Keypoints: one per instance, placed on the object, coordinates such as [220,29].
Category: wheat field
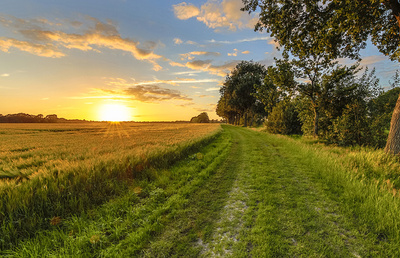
[28,150]
[49,171]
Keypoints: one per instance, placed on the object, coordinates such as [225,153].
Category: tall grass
[82,179]
[364,180]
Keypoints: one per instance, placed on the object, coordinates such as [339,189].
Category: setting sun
[115,113]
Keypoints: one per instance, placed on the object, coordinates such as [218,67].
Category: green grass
[243,194]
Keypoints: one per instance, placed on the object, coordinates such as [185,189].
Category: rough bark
[394,5]
[393,141]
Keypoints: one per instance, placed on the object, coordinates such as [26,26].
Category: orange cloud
[369,60]
[216,14]
[184,11]
[172,63]
[190,55]
[177,41]
[142,93]
[206,66]
[119,82]
[46,50]
[235,51]
[153,93]
[98,35]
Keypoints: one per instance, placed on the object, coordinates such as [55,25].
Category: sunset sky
[161,60]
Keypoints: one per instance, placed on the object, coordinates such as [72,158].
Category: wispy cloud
[206,66]
[173,63]
[46,41]
[177,41]
[5,75]
[366,61]
[152,93]
[45,50]
[217,14]
[213,89]
[189,73]
[141,93]
[207,108]
[270,40]
[369,60]
[190,55]
[177,81]
[206,96]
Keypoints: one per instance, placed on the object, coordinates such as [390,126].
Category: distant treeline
[26,118]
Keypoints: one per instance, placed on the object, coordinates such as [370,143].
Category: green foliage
[345,115]
[319,32]
[202,118]
[382,107]
[352,127]
[306,116]
[284,119]
[340,27]
[279,84]
[237,93]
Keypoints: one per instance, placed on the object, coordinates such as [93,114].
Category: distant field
[27,150]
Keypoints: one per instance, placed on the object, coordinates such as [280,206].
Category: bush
[352,128]
[284,119]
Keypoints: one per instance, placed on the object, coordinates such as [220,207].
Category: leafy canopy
[341,27]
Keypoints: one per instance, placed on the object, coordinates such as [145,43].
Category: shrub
[352,128]
[284,119]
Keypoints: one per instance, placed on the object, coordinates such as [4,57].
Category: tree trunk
[316,118]
[245,119]
[393,141]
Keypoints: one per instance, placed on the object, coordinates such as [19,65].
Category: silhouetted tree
[202,118]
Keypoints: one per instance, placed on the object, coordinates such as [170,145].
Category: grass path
[274,205]
[246,194]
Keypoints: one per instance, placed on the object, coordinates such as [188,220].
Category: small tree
[352,128]
[284,119]
[202,118]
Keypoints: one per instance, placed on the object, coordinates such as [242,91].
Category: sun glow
[115,113]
